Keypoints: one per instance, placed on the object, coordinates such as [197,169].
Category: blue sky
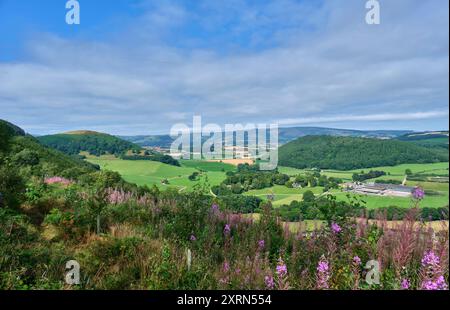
[140,66]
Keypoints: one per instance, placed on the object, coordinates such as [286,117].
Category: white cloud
[305,64]
[367,118]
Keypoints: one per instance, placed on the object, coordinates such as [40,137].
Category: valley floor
[155,173]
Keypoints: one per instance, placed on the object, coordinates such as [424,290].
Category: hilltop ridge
[95,143]
[83,132]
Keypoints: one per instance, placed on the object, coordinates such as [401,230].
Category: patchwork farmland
[213,173]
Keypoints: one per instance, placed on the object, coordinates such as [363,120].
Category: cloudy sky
[140,66]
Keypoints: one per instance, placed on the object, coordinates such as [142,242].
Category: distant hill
[163,141]
[346,153]
[291,133]
[82,132]
[424,135]
[430,139]
[95,143]
[286,134]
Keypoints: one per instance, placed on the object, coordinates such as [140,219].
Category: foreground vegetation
[153,240]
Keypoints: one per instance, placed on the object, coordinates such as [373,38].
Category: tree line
[348,153]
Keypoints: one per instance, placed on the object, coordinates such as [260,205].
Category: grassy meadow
[394,172]
[145,172]
[287,195]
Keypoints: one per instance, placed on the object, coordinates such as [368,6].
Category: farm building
[379,189]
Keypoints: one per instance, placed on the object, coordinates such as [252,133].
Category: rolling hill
[430,139]
[286,134]
[163,141]
[95,143]
[346,153]
[27,154]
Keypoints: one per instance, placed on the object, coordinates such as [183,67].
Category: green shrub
[12,187]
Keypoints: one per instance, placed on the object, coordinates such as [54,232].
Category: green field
[284,196]
[395,172]
[152,173]
[144,172]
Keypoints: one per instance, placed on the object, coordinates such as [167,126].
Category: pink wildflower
[281,268]
[418,193]
[226,266]
[56,180]
[261,244]
[227,229]
[323,273]
[270,283]
[336,228]
[405,284]
[432,273]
